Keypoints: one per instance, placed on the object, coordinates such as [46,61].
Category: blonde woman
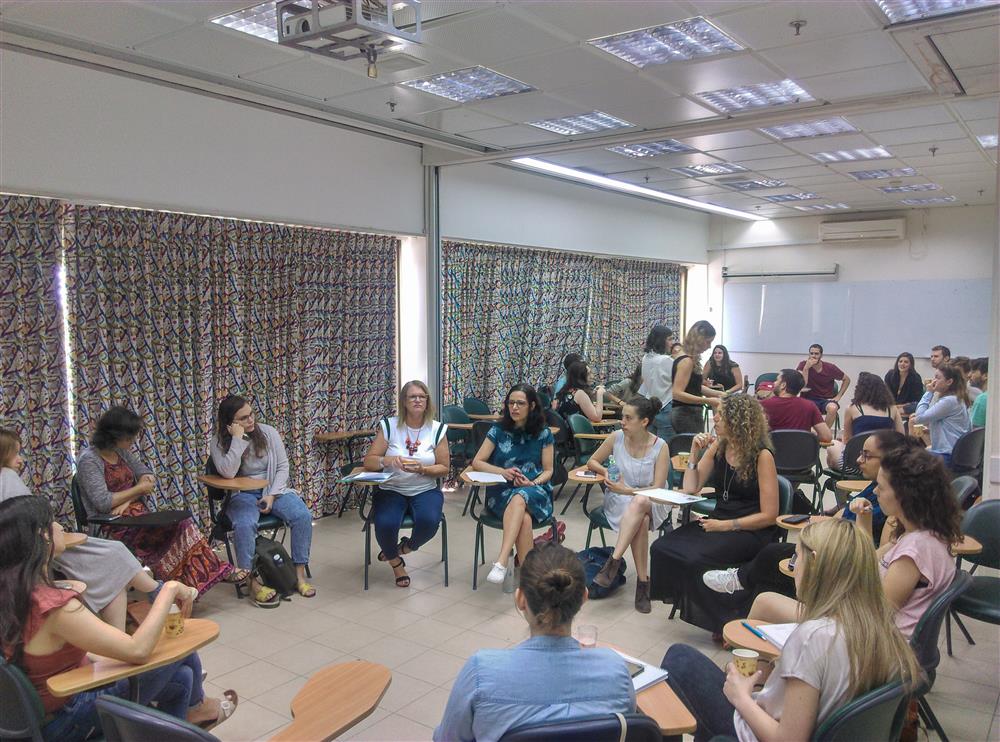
[414,448]
[739,464]
[845,645]
[690,393]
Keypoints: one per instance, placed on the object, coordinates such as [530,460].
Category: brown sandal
[227,707]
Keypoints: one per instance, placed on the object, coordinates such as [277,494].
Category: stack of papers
[650,675]
[485,477]
[778,633]
[368,476]
[672,497]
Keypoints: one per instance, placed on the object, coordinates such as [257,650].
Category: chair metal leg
[947,630]
[475,555]
[673,611]
[930,719]
[603,542]
[961,626]
[468,500]
[570,500]
[444,547]
[590,532]
[368,549]
[229,556]
[309,573]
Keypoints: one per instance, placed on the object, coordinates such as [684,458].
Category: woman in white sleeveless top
[642,461]
[413,447]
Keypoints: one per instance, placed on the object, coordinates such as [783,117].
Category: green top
[978,413]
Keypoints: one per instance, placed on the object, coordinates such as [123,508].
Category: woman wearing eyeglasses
[520,448]
[413,447]
[243,447]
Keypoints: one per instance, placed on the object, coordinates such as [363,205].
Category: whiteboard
[860,318]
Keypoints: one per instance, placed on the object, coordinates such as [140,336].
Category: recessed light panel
[804,129]
[751,184]
[849,155]
[928,201]
[650,149]
[582,123]
[910,188]
[822,207]
[896,172]
[899,11]
[757,95]
[469,84]
[712,168]
[785,197]
[260,21]
[987,141]
[694,38]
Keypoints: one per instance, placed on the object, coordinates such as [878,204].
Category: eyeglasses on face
[517,403]
[868,456]
[244,418]
[417,397]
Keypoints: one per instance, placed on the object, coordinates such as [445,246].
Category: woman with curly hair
[872,408]
[738,462]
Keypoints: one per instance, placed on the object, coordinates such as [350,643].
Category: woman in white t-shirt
[657,379]
[413,447]
[845,645]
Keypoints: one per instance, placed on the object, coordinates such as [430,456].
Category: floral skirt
[537,497]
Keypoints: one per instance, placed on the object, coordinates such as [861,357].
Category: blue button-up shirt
[543,679]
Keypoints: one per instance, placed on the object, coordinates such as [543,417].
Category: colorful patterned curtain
[510,314]
[32,363]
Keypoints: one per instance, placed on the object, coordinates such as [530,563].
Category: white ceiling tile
[458,120]
[976,80]
[920,134]
[983,126]
[848,167]
[831,143]
[312,76]
[945,147]
[567,67]
[713,73]
[973,47]
[984,108]
[695,188]
[637,100]
[777,163]
[196,10]
[726,140]
[535,106]
[374,102]
[490,38]
[757,152]
[586,19]
[980,168]
[717,7]
[218,50]
[903,117]
[839,54]
[115,24]
[596,159]
[685,159]
[892,78]
[922,163]
[767,26]
[642,177]
[513,136]
[794,173]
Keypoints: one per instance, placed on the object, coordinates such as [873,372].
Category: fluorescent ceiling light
[849,155]
[260,21]
[620,185]
[582,123]
[987,141]
[469,84]
[712,168]
[822,207]
[757,95]
[783,197]
[751,184]
[803,129]
[899,11]
[693,38]
[910,188]
[928,201]
[896,172]
[651,149]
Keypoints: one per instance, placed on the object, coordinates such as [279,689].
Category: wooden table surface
[236,484]
[966,547]
[592,436]
[492,418]
[334,699]
[735,635]
[799,526]
[574,476]
[783,567]
[197,633]
[676,463]
[606,423]
[336,436]
[74,539]
[660,703]
[468,426]
[852,485]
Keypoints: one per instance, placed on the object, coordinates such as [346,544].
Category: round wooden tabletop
[735,634]
[853,485]
[783,567]
[966,547]
[799,526]
[580,476]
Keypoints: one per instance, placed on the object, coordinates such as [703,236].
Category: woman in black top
[905,384]
[739,464]
[578,395]
[689,392]
[721,372]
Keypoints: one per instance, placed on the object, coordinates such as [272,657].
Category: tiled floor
[425,633]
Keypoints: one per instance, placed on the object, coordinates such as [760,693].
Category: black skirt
[678,560]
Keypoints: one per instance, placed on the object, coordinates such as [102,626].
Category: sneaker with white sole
[497,574]
[723,580]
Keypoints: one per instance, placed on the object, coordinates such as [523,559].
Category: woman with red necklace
[413,447]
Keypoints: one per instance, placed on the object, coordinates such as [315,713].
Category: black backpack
[593,560]
[274,566]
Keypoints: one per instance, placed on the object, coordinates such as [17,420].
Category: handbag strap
[624,727]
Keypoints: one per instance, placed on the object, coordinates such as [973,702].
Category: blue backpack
[593,560]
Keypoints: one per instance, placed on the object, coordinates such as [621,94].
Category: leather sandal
[266,597]
[401,580]
[227,707]
[306,590]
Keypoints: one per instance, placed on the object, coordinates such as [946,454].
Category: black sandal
[405,543]
[402,580]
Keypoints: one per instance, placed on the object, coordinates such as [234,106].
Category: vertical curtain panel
[510,314]
[33,398]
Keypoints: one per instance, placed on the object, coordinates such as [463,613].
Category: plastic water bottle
[613,473]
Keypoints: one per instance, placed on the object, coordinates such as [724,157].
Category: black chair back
[21,710]
[554,420]
[965,489]
[924,639]
[476,406]
[795,451]
[479,430]
[78,509]
[786,496]
[452,413]
[967,455]
[124,721]
[680,443]
[982,522]
[638,728]
[878,714]
[851,453]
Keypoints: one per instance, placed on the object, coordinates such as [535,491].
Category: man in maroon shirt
[786,410]
[819,379]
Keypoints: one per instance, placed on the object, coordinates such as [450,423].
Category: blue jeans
[389,509]
[698,682]
[662,423]
[174,688]
[288,506]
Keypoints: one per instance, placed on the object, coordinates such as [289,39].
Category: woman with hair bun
[642,460]
[545,678]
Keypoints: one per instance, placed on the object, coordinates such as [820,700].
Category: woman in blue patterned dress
[520,448]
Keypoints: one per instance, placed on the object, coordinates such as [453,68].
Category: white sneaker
[723,580]
[497,574]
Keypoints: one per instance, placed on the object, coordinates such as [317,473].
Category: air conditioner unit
[873,229]
[827,272]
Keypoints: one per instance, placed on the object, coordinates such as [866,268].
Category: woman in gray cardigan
[243,447]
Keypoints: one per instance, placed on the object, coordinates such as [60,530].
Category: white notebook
[778,633]
[672,497]
[647,676]
[368,476]
[485,477]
